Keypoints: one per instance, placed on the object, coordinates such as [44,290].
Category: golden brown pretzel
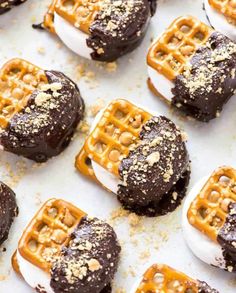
[208,211]
[162,278]
[226,7]
[117,130]
[48,231]
[171,52]
[18,79]
[79,13]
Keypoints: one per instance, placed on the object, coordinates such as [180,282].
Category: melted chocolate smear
[6,5]
[119,30]
[209,97]
[39,132]
[155,188]
[203,287]
[8,210]
[227,239]
[92,240]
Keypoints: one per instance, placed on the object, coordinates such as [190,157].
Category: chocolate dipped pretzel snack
[63,250]
[212,217]
[39,110]
[101,30]
[162,278]
[134,154]
[6,5]
[186,65]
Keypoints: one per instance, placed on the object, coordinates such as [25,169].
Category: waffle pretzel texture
[226,7]
[162,278]
[170,54]
[18,80]
[79,13]
[48,232]
[117,130]
[209,210]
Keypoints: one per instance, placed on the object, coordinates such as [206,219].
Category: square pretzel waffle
[116,131]
[48,232]
[161,278]
[170,54]
[18,79]
[209,210]
[79,13]
[226,7]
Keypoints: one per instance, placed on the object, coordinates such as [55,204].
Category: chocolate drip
[6,5]
[44,129]
[156,173]
[119,29]
[8,210]
[203,287]
[203,89]
[227,239]
[90,261]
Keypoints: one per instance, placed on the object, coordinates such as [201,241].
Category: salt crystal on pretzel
[182,67]
[59,227]
[162,278]
[97,29]
[117,133]
[208,215]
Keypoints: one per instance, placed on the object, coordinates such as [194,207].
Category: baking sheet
[144,241]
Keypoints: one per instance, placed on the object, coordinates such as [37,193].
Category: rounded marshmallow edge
[72,37]
[161,83]
[201,246]
[33,275]
[219,21]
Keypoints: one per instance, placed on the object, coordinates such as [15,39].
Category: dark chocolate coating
[156,189]
[203,287]
[42,140]
[227,239]
[92,240]
[8,210]
[126,36]
[6,5]
[207,101]
[153,6]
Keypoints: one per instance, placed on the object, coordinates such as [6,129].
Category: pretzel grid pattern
[171,52]
[208,211]
[18,79]
[79,13]
[226,7]
[105,140]
[161,278]
[49,231]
